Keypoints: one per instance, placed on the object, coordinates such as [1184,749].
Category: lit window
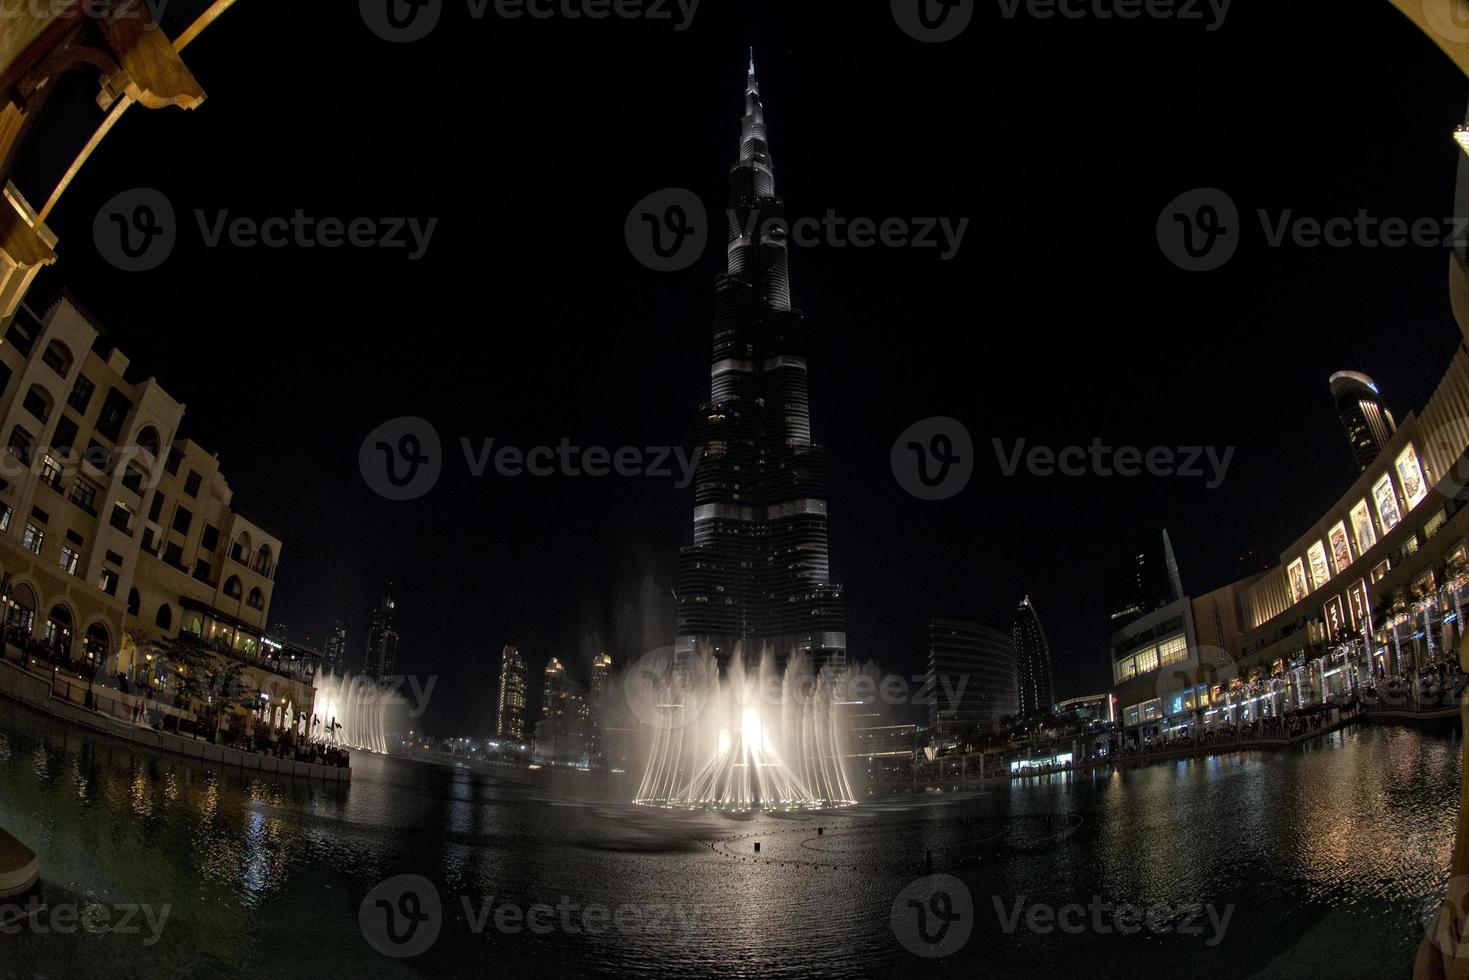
[50,471]
[32,539]
[69,559]
[1147,660]
[1173,651]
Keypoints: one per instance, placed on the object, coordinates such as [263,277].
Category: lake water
[1320,861]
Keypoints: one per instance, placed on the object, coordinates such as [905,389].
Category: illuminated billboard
[1320,574]
[1298,587]
[1387,503]
[1363,528]
[1410,474]
[1341,549]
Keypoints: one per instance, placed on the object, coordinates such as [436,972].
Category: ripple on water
[1328,855]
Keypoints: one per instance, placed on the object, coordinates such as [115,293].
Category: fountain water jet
[352,712]
[746,739]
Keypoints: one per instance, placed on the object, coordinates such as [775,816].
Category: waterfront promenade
[65,700]
[988,769]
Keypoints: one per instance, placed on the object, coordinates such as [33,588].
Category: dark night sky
[1059,321]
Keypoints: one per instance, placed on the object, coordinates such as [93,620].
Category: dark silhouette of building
[1147,580]
[971,679]
[334,651]
[382,639]
[757,574]
[1366,421]
[1033,675]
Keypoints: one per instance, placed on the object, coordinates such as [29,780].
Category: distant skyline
[528,321]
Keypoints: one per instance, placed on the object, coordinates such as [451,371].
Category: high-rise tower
[1033,675]
[510,719]
[757,575]
[1366,421]
[382,639]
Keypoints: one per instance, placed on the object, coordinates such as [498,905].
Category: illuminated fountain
[751,739]
[351,712]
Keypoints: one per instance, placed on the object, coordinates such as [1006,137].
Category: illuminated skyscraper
[510,719]
[597,706]
[382,639]
[757,574]
[1033,676]
[1366,421]
[561,734]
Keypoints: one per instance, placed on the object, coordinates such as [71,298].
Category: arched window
[164,619]
[57,634]
[148,440]
[57,357]
[257,599]
[21,618]
[263,558]
[98,643]
[242,549]
[233,588]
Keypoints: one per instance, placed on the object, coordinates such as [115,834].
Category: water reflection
[1330,855]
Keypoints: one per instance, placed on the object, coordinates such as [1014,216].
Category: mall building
[1372,590]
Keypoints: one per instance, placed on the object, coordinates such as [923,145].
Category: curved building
[1368,424]
[1033,676]
[757,575]
[971,678]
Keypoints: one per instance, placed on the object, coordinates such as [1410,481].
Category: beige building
[118,536]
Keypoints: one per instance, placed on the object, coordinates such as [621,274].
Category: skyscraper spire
[758,574]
